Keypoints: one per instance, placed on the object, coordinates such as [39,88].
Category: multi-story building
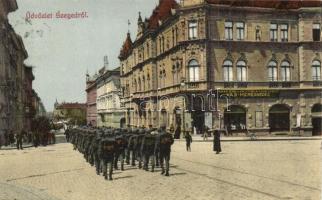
[91,113]
[12,73]
[73,113]
[30,110]
[109,109]
[236,65]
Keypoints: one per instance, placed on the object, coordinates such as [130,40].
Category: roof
[127,47]
[161,12]
[278,4]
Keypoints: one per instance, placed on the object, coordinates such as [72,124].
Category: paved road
[245,170]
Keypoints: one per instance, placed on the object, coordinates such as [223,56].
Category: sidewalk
[198,138]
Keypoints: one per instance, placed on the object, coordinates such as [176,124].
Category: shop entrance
[279,118]
[317,120]
[235,119]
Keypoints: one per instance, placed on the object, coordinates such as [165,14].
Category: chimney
[106,62]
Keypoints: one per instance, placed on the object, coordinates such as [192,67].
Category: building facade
[242,66]
[14,82]
[91,95]
[73,113]
[109,109]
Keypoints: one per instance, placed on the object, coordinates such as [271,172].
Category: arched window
[272,71]
[241,71]
[228,70]
[285,71]
[316,70]
[193,71]
[135,86]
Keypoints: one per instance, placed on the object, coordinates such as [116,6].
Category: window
[228,30]
[285,71]
[273,32]
[240,30]
[193,71]
[316,32]
[241,71]
[193,32]
[316,70]
[284,32]
[228,71]
[272,71]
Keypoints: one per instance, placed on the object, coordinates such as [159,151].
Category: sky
[62,51]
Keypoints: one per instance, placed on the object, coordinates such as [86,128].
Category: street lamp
[131,113]
[158,112]
[183,84]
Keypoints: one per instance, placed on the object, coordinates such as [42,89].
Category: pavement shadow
[178,174]
[123,177]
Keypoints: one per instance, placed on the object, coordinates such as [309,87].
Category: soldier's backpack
[149,142]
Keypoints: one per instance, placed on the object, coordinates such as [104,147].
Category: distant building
[91,109]
[109,110]
[74,113]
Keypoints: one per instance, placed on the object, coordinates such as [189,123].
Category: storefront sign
[249,93]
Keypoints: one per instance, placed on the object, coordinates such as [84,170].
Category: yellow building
[242,66]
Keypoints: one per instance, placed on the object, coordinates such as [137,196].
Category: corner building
[238,65]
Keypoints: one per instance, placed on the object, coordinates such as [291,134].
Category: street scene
[160,99]
[245,170]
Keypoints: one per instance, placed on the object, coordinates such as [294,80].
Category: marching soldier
[163,145]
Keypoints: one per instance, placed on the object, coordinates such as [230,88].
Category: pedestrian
[205,132]
[217,146]
[188,141]
[19,137]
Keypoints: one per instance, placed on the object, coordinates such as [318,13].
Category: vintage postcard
[160,99]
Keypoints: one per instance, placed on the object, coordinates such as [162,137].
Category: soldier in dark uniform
[107,151]
[131,152]
[137,147]
[163,144]
[19,137]
[121,144]
[147,150]
[217,145]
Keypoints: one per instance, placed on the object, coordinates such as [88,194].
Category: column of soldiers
[105,148]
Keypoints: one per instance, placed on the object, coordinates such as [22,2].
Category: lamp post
[183,84]
[158,111]
[131,113]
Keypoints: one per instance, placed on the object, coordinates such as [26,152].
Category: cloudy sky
[62,50]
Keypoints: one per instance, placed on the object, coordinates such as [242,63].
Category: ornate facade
[234,65]
[109,110]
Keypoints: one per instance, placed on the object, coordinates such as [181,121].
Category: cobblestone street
[245,170]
